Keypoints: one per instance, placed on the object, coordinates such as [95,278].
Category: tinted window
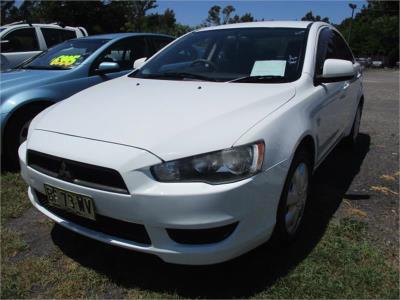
[125,52]
[275,54]
[67,55]
[20,40]
[160,42]
[330,45]
[342,51]
[55,36]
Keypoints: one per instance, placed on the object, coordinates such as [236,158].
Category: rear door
[20,44]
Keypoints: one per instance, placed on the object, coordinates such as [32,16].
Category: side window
[20,40]
[331,45]
[160,42]
[342,50]
[125,52]
[55,36]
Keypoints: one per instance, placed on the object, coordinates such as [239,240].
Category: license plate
[80,205]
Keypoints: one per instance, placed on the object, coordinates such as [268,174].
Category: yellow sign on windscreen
[64,60]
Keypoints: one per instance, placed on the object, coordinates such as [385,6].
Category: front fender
[282,132]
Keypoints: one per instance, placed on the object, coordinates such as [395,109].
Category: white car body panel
[169,124]
[130,124]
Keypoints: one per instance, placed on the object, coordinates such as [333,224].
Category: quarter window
[20,40]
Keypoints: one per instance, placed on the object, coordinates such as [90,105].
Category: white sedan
[207,149]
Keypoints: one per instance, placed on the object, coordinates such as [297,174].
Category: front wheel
[294,197]
[16,133]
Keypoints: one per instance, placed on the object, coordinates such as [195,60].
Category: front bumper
[251,203]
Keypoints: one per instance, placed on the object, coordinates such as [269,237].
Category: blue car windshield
[256,55]
[64,56]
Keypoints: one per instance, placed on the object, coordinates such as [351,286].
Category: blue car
[62,71]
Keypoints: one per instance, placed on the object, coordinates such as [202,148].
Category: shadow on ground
[242,277]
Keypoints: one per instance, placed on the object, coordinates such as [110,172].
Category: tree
[375,31]
[247,17]
[214,16]
[227,11]
[6,7]
[310,17]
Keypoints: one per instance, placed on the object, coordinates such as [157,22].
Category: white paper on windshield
[269,68]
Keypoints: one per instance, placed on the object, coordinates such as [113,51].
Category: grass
[14,198]
[344,264]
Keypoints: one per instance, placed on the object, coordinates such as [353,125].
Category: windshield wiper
[259,79]
[180,75]
[44,68]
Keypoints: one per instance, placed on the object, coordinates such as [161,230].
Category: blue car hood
[17,80]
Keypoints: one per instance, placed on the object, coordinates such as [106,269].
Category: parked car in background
[377,64]
[21,41]
[205,151]
[364,62]
[62,71]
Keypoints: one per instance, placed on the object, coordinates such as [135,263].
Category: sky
[194,12]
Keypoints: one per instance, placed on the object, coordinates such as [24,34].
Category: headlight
[215,167]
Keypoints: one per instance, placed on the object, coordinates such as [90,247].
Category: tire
[351,140]
[16,132]
[293,204]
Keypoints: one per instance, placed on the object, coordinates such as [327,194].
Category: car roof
[265,24]
[16,24]
[111,36]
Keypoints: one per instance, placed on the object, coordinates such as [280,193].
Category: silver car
[21,41]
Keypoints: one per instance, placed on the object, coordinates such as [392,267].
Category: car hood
[21,79]
[171,119]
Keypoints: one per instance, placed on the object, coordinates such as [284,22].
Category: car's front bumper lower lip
[250,204]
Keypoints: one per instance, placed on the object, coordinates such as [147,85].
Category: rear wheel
[16,132]
[294,197]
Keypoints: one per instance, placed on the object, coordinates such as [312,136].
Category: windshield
[259,55]
[67,55]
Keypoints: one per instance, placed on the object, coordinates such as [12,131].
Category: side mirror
[139,62]
[108,67]
[335,70]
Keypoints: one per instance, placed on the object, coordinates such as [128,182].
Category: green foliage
[215,15]
[375,31]
[96,16]
[310,17]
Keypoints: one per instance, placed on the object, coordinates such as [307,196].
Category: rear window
[54,36]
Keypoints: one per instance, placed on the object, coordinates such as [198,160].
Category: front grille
[76,172]
[120,229]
